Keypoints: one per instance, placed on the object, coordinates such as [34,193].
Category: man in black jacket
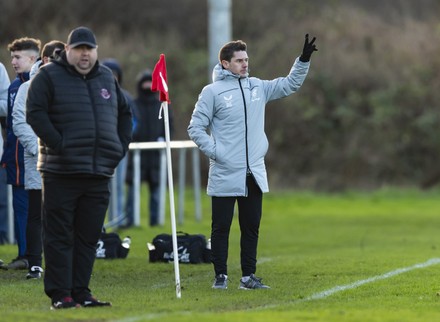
[77,109]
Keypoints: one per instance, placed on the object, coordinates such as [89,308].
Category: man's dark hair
[228,50]
[52,48]
[25,43]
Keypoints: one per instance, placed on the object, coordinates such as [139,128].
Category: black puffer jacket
[83,122]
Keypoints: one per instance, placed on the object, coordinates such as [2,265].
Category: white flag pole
[164,107]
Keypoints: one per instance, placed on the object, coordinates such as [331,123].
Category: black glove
[309,48]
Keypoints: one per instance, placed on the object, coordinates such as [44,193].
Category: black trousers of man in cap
[73,206]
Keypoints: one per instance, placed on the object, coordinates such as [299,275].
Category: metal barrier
[182,146]
[136,148]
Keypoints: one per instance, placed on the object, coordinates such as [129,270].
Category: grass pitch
[341,257]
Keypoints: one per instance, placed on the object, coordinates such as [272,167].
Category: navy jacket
[13,152]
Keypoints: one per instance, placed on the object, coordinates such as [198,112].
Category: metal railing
[182,146]
[136,148]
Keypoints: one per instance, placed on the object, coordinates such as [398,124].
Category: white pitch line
[316,296]
[340,288]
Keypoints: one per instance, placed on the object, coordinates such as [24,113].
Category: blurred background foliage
[366,116]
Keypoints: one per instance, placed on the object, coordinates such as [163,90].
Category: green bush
[366,116]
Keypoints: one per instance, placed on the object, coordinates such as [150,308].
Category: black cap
[81,36]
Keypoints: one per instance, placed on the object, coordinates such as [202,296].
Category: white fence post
[136,150]
[162,186]
[136,187]
[136,147]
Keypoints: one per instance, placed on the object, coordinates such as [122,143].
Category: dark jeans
[74,209]
[34,245]
[20,203]
[249,217]
[154,204]
[151,176]
[3,207]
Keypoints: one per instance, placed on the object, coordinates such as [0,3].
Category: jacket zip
[17,165]
[248,168]
[95,149]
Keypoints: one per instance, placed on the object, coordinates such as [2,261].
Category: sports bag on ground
[192,249]
[111,246]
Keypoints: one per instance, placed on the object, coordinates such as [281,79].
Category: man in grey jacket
[232,110]
[4,85]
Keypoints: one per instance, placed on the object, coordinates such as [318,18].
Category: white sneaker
[253,283]
[221,282]
[34,272]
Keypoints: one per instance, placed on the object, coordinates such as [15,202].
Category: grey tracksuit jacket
[25,134]
[227,125]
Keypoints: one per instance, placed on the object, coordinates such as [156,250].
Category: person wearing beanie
[149,129]
[117,214]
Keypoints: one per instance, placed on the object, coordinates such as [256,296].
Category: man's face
[22,60]
[239,63]
[82,57]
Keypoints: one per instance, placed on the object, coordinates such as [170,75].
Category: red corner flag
[159,81]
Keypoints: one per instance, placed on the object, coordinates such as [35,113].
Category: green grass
[309,243]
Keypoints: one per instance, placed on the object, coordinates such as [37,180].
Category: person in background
[24,53]
[149,129]
[232,110]
[81,117]
[32,178]
[4,85]
[121,170]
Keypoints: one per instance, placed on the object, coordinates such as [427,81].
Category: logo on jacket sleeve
[255,96]
[105,94]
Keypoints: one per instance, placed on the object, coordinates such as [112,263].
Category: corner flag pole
[159,83]
[171,192]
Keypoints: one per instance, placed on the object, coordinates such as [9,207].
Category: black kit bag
[192,249]
[111,246]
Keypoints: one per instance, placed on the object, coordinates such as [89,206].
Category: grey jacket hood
[34,69]
[219,73]
[27,137]
[4,85]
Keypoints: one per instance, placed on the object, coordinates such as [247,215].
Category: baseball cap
[81,36]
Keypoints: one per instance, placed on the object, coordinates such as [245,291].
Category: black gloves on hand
[309,48]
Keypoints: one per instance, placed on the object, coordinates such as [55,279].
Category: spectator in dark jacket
[24,53]
[149,128]
[116,211]
[77,109]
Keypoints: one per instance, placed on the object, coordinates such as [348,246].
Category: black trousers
[34,246]
[249,217]
[74,209]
